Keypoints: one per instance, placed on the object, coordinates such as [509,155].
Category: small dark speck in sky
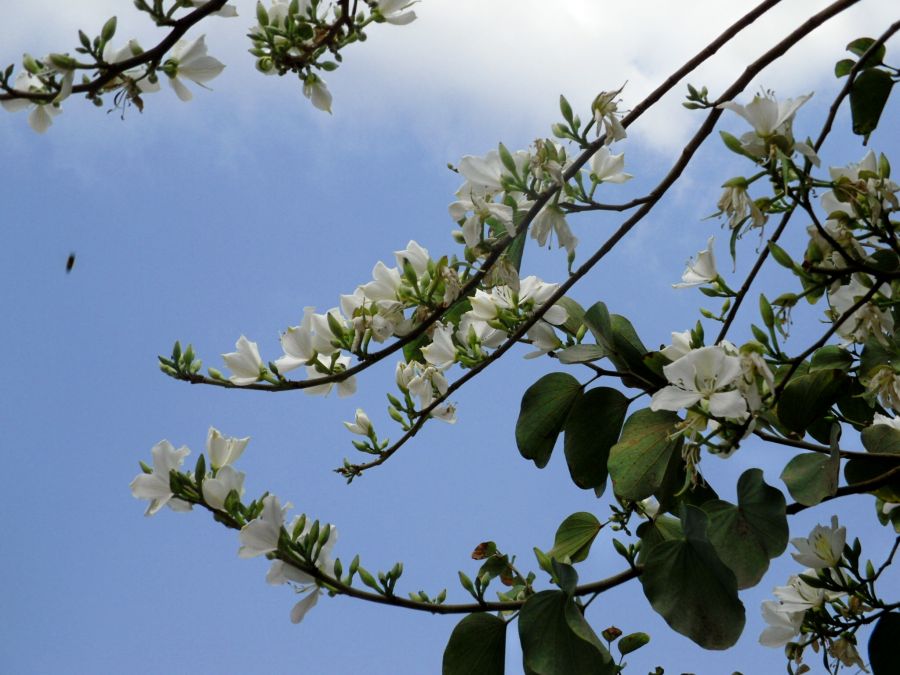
[70,263]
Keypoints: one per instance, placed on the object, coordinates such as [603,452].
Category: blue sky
[226,216]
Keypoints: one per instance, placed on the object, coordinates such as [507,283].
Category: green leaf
[660,529]
[843,67]
[593,427]
[694,591]
[868,96]
[831,357]
[565,576]
[545,406]
[557,640]
[625,349]
[515,250]
[633,642]
[750,534]
[881,439]
[574,310]
[638,462]
[861,45]
[574,537]
[581,353]
[477,645]
[811,476]
[808,397]
[884,657]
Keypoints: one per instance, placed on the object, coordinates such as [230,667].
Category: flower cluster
[263,531]
[288,37]
[501,187]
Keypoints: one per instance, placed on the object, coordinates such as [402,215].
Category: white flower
[385,284]
[360,425]
[415,255]
[483,175]
[41,116]
[190,60]
[227,11]
[282,573]
[394,11]
[799,596]
[702,271]
[216,489]
[893,422]
[783,625]
[701,376]
[605,108]
[324,340]
[316,90]
[544,338]
[223,451]
[441,353]
[552,219]
[766,115]
[471,327]
[884,383]
[737,205]
[532,289]
[155,486]
[446,412]
[868,320]
[261,535]
[823,548]
[245,363]
[608,168]
[681,345]
[346,387]
[297,343]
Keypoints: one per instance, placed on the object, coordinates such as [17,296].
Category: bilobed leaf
[557,640]
[545,406]
[868,96]
[660,529]
[477,645]
[750,534]
[808,397]
[694,591]
[810,477]
[574,537]
[638,462]
[884,657]
[592,428]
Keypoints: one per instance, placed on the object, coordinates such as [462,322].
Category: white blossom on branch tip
[245,363]
[607,167]
[397,12]
[217,488]
[223,450]
[190,60]
[700,271]
[361,424]
[706,376]
[824,546]
[262,534]
[41,116]
[156,486]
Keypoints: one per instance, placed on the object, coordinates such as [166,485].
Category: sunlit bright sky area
[227,215]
